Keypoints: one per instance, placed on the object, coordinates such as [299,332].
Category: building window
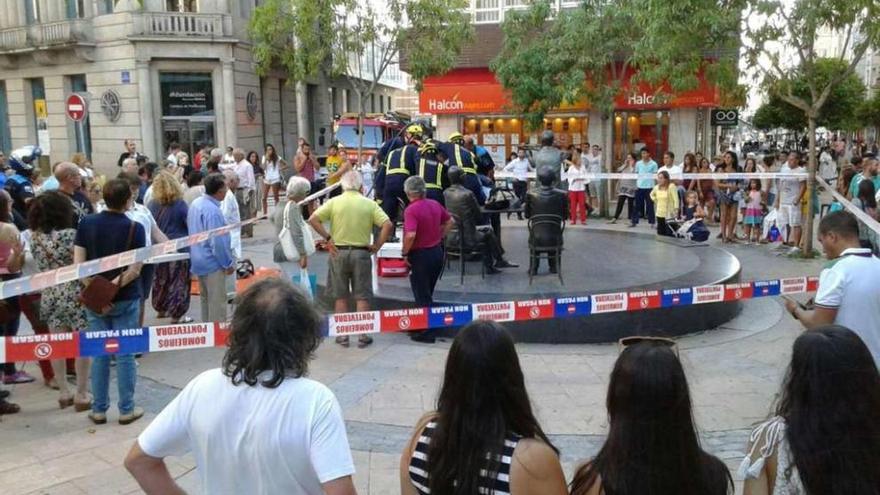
[32,11]
[106,6]
[82,132]
[40,122]
[372,103]
[75,9]
[382,103]
[486,11]
[182,5]
[5,133]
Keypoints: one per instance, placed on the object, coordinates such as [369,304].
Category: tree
[776,113]
[869,111]
[787,30]
[588,53]
[840,111]
[352,39]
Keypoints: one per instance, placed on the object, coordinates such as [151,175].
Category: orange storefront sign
[470,91]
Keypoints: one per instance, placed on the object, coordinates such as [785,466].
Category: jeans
[123,315]
[644,206]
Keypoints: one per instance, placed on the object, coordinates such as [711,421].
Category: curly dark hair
[275,329]
[51,210]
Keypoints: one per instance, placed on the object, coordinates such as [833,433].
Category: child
[665,198]
[692,208]
[754,212]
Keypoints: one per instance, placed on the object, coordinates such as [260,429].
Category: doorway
[190,133]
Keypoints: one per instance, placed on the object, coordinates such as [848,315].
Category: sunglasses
[657,341]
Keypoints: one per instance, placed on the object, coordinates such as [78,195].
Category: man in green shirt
[869,171]
[349,241]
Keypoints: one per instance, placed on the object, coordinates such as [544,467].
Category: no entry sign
[76,107]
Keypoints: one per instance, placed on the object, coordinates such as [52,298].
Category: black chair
[550,225]
[458,249]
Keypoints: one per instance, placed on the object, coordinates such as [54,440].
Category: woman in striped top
[483,438]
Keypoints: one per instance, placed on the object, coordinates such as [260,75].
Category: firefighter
[432,169]
[398,166]
[460,157]
[21,186]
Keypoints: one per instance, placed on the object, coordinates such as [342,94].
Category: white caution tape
[42,280]
[676,176]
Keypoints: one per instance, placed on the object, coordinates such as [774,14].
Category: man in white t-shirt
[256,425]
[593,165]
[788,201]
[848,293]
[173,150]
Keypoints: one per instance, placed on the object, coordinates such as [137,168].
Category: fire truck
[378,127]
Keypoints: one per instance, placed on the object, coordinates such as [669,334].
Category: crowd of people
[483,436]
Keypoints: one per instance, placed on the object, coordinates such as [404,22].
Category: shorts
[789,215]
[351,274]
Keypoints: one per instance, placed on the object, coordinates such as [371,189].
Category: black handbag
[500,198]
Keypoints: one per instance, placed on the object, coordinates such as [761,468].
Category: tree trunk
[608,156]
[811,186]
[360,98]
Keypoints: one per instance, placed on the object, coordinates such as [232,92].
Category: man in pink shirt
[425,223]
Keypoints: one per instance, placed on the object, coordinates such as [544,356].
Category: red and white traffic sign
[76,107]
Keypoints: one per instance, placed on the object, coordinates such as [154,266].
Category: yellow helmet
[456,137]
[429,146]
[415,130]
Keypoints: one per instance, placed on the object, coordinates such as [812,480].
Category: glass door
[190,134]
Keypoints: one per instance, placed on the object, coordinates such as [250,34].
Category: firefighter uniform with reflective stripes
[400,164]
[434,173]
[461,157]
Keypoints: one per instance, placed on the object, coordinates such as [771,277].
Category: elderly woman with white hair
[290,215]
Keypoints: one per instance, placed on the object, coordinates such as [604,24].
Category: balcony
[182,25]
[59,33]
[13,39]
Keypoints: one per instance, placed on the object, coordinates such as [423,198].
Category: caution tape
[92,343]
[49,278]
[863,217]
[674,176]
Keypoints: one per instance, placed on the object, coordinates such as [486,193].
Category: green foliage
[310,37]
[776,113]
[839,112]
[869,111]
[552,58]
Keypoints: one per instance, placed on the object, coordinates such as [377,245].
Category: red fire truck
[378,127]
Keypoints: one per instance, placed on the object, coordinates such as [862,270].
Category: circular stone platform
[594,262]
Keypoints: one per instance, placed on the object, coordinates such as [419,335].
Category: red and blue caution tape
[92,343]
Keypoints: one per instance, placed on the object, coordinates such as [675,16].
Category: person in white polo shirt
[849,292]
[256,425]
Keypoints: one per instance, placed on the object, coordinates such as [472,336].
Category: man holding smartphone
[848,292]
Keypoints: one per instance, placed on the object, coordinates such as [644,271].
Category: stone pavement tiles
[734,372]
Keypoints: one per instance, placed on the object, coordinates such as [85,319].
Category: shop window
[5,133]
[636,130]
[187,110]
[182,5]
[82,132]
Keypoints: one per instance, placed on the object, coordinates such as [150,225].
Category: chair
[552,225]
[458,249]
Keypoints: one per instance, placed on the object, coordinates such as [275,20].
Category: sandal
[65,402]
[8,408]
[343,341]
[83,406]
[364,341]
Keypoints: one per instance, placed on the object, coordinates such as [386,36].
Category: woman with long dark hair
[272,176]
[727,197]
[825,437]
[483,438]
[652,446]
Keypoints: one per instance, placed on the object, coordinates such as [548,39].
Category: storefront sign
[186,94]
[725,117]
[476,91]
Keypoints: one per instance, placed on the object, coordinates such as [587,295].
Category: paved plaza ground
[735,372]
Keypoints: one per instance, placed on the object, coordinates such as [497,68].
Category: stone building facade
[155,71]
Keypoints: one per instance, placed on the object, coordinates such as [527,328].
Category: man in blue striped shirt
[211,260]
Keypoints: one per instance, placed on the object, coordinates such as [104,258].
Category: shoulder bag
[98,294]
